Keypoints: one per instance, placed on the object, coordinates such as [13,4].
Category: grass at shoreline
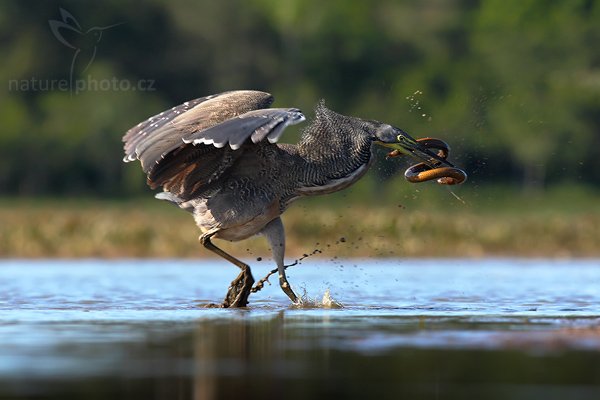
[412,225]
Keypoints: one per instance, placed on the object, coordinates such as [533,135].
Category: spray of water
[307,302]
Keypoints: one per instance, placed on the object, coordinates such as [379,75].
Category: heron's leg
[275,234]
[239,290]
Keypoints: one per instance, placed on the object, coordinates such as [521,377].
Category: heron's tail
[168,196]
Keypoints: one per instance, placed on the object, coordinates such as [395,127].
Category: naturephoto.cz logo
[84,45]
[76,86]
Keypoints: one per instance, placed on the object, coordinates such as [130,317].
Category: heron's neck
[335,151]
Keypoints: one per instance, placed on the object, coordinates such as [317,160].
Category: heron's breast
[235,226]
[334,185]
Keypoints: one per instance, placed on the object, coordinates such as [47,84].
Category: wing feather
[254,124]
[187,148]
[150,140]
[139,133]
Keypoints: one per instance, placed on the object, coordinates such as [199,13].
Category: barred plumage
[217,157]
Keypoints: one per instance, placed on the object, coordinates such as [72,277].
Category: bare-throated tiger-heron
[218,158]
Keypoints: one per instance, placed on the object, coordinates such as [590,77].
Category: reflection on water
[407,329]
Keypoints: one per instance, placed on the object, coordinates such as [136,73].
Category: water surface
[406,328]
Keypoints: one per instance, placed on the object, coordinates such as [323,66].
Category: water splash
[415,104]
[307,302]
[304,256]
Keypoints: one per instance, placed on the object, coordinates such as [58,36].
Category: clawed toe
[239,290]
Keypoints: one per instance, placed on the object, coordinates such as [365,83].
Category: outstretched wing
[164,132]
[256,125]
[184,148]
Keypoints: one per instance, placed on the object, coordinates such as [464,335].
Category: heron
[217,157]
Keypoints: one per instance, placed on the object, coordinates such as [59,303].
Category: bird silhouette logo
[84,42]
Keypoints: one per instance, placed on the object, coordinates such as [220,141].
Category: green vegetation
[513,86]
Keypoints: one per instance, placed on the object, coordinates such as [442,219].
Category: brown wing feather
[152,139]
[190,170]
[184,149]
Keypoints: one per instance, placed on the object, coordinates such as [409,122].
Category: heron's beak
[405,144]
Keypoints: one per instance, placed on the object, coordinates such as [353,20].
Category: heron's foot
[239,290]
[287,289]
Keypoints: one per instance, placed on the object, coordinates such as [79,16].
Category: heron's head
[396,139]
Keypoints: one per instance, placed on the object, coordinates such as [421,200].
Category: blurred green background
[513,86]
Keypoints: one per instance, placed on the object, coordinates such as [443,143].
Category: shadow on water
[306,357]
[62,342]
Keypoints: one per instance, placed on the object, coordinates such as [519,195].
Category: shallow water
[406,328]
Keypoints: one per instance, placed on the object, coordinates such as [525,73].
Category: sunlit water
[385,328]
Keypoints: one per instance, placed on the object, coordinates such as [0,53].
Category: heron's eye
[400,138]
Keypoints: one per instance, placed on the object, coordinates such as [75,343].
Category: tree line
[513,86]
